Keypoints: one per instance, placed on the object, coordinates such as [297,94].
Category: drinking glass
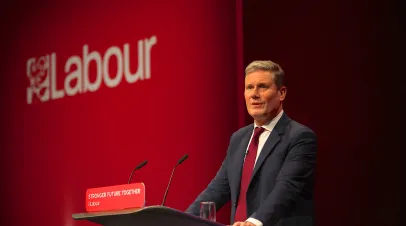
[208,211]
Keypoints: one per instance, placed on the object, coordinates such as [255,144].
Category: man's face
[262,97]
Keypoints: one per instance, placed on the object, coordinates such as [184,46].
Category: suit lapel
[269,146]
[271,142]
[239,159]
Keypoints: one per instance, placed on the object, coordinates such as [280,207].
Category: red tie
[249,163]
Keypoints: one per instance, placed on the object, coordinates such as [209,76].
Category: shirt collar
[271,124]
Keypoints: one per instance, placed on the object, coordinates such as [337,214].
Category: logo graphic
[38,76]
[42,77]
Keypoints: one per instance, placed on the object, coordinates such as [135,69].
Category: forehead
[259,76]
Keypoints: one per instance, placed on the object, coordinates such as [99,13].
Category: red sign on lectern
[115,197]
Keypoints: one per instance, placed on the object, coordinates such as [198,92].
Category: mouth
[256,105]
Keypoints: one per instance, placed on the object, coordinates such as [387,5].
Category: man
[268,172]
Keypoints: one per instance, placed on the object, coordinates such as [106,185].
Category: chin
[257,114]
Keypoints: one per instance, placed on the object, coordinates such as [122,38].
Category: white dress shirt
[262,139]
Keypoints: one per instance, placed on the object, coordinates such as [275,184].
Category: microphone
[170,179]
[137,168]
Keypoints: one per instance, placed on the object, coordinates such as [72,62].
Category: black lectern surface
[148,216]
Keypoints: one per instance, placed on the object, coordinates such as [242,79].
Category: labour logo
[42,73]
[38,78]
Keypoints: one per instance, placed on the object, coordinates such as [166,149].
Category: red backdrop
[55,150]
[342,70]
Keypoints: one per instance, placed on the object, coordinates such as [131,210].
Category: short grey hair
[267,65]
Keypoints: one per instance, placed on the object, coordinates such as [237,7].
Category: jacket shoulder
[297,130]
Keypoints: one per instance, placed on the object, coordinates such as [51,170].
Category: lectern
[148,216]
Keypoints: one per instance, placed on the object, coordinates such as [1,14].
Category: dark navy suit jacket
[281,187]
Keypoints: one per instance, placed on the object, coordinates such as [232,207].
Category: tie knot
[257,132]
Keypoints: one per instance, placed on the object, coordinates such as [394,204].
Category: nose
[254,94]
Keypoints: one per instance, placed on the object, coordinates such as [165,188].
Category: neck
[267,118]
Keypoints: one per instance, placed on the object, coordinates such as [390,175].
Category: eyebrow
[258,84]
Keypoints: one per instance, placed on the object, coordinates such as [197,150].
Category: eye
[262,86]
[248,87]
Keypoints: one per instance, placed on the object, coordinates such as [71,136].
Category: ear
[282,91]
